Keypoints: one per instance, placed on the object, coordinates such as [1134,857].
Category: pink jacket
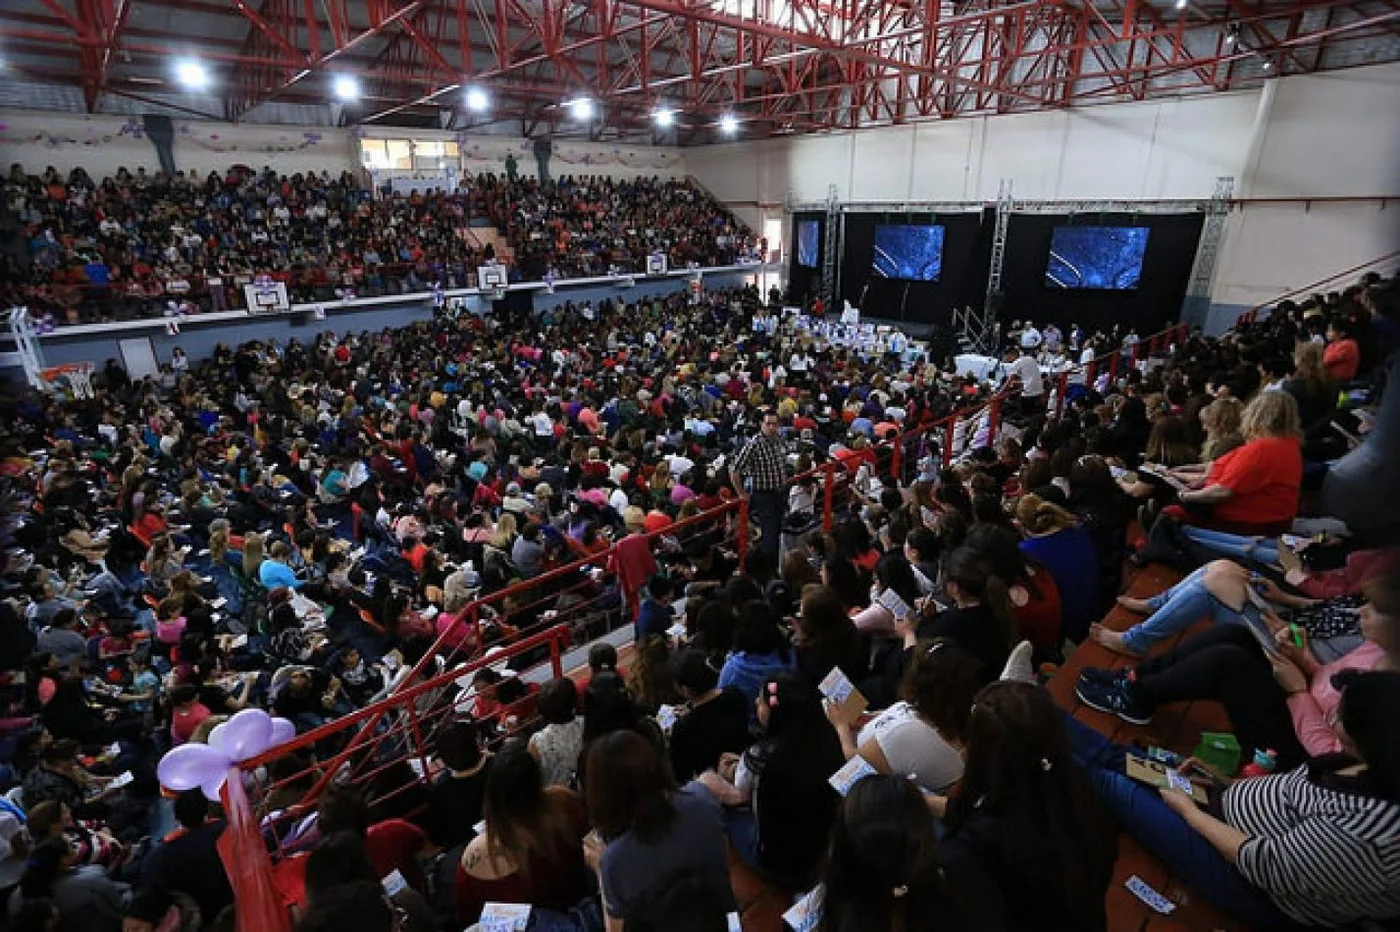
[1313,711]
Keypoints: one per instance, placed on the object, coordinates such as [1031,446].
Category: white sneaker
[1018,667]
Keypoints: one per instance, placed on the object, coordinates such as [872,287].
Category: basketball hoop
[73,378]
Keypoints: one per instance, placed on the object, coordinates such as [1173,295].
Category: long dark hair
[758,632]
[630,789]
[799,750]
[883,840]
[894,572]
[1367,713]
[523,824]
[1059,846]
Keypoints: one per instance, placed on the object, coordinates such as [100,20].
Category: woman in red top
[1342,357]
[532,849]
[1254,489]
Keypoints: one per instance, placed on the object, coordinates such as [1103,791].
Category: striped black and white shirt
[1326,857]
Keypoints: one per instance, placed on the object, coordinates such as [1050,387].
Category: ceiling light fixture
[347,87]
[1182,4]
[728,124]
[477,100]
[664,117]
[581,108]
[192,74]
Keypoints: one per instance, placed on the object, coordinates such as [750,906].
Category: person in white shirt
[1022,366]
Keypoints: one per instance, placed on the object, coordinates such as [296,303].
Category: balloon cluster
[206,766]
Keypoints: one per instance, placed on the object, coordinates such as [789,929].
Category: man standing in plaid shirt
[762,462]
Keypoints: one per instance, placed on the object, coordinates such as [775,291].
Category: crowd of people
[142,244]
[859,711]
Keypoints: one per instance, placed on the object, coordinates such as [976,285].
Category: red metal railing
[393,731]
[408,718]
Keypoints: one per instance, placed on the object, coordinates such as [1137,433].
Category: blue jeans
[1139,809]
[1178,608]
[1234,546]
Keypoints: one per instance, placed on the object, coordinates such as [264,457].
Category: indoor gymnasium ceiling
[773,66]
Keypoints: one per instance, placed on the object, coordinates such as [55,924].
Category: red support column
[993,421]
[897,456]
[1113,366]
[1090,371]
[1061,389]
[828,494]
[950,428]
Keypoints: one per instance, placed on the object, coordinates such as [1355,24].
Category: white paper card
[121,781]
[504,917]
[240,641]
[480,827]
[1178,782]
[393,883]
[666,717]
[733,923]
[895,605]
[836,686]
[806,913]
[220,602]
[852,772]
[1140,889]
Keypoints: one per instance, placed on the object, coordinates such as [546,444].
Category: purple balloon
[282,732]
[213,787]
[190,766]
[246,735]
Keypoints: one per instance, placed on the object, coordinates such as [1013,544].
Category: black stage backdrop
[920,305]
[1154,304]
[804,283]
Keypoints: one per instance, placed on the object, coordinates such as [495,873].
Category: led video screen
[909,253]
[1101,258]
[809,234]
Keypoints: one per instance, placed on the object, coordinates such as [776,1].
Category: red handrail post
[1090,370]
[828,495]
[897,456]
[993,420]
[742,545]
[556,659]
[1113,368]
[949,429]
[1060,391]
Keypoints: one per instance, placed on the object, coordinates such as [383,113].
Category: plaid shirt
[763,463]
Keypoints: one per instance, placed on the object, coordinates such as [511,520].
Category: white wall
[1336,134]
[1326,135]
[487,153]
[101,144]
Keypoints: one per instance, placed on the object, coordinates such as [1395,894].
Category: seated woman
[532,849]
[1025,841]
[882,871]
[1281,701]
[1221,590]
[779,805]
[1055,539]
[1253,489]
[920,736]
[892,572]
[1317,846]
[659,852]
[1031,591]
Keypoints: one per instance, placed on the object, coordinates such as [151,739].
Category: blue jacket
[654,618]
[748,672]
